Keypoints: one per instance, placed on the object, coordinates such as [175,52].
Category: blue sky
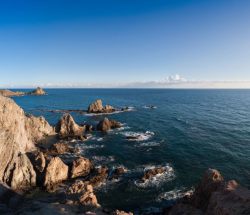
[59,42]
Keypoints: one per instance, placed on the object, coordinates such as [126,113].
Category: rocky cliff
[18,135]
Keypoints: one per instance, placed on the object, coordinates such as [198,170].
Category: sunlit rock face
[18,135]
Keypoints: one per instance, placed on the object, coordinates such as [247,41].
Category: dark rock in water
[135,137]
[37,92]
[99,177]
[214,196]
[97,107]
[106,124]
[56,172]
[67,128]
[149,174]
[81,167]
[117,172]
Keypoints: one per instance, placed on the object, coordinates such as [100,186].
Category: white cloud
[174,78]
[172,81]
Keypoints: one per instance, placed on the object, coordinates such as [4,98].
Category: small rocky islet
[37,179]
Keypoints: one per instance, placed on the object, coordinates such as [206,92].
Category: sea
[185,131]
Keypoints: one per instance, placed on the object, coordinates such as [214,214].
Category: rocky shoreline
[37,179]
[37,92]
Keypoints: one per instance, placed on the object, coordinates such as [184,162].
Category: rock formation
[81,167]
[18,135]
[149,174]
[9,93]
[88,198]
[97,107]
[56,172]
[214,196]
[37,92]
[67,128]
[106,124]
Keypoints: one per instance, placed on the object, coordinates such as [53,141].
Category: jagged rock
[117,212]
[38,129]
[67,128]
[97,107]
[60,148]
[22,175]
[81,167]
[85,193]
[211,181]
[9,93]
[117,172]
[37,92]
[153,172]
[56,172]
[108,109]
[88,198]
[16,138]
[100,176]
[77,187]
[107,124]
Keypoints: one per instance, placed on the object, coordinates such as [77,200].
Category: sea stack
[37,92]
[97,107]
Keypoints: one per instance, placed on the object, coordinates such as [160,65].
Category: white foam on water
[158,179]
[115,112]
[148,144]
[174,194]
[149,107]
[103,159]
[137,136]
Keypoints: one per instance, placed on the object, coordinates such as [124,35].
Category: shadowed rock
[99,177]
[106,124]
[214,196]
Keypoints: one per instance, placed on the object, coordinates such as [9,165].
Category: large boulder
[37,92]
[22,175]
[81,167]
[106,124]
[56,172]
[97,107]
[67,128]
[16,139]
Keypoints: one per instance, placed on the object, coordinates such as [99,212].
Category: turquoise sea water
[188,132]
